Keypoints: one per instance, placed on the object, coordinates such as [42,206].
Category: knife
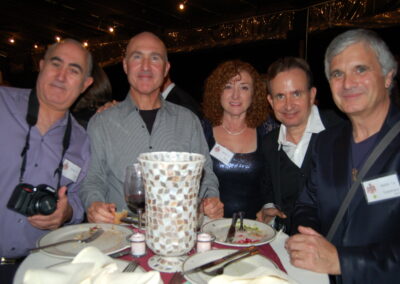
[232,229]
[220,260]
[92,237]
[120,253]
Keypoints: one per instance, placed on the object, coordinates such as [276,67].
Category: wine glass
[134,191]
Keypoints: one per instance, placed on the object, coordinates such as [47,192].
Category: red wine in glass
[134,191]
[135,202]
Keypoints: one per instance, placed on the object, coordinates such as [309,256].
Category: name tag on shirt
[70,170]
[382,188]
[222,154]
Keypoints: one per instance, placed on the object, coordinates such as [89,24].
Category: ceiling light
[85,44]
[111,29]
[58,38]
[182,5]
[11,40]
[35,46]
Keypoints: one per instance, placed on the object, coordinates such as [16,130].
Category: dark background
[190,69]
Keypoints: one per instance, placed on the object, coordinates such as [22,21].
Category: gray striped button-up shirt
[118,135]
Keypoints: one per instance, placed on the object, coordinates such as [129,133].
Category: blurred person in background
[94,97]
[174,94]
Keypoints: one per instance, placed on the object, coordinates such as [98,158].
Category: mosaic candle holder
[171,181]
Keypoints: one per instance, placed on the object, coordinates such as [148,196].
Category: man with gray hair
[43,150]
[365,248]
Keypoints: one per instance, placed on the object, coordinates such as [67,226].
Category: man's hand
[310,250]
[55,220]
[107,105]
[265,215]
[100,212]
[213,207]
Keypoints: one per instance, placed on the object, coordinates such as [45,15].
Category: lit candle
[138,245]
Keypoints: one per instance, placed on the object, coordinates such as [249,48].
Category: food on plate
[119,215]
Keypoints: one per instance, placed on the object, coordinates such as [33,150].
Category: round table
[41,260]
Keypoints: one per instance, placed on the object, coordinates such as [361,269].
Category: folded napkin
[90,266]
[260,275]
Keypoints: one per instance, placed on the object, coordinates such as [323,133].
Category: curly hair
[256,114]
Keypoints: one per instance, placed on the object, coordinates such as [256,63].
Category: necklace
[233,133]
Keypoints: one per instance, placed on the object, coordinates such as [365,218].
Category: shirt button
[150,147]
[142,126]
[36,165]
[12,249]
[20,221]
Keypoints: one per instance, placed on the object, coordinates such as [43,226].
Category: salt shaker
[204,241]
[138,244]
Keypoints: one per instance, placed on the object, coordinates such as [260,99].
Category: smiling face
[290,98]
[357,83]
[237,94]
[146,64]
[63,76]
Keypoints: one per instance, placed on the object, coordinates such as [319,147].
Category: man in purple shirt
[64,75]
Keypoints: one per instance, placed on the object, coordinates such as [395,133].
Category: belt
[10,261]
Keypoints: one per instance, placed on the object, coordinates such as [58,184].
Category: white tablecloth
[41,260]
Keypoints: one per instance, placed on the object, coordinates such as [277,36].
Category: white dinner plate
[246,265]
[113,239]
[259,233]
[120,263]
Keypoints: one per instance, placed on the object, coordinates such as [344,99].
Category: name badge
[70,170]
[222,154]
[382,188]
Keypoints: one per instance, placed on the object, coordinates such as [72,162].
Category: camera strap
[31,119]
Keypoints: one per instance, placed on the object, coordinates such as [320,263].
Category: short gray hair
[368,37]
[89,62]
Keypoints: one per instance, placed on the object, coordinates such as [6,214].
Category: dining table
[274,250]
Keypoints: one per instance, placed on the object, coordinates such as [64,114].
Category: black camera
[29,200]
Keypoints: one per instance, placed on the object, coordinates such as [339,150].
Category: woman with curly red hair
[237,116]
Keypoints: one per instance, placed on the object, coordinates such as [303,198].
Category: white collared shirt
[165,93]
[296,153]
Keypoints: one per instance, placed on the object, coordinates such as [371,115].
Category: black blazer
[182,98]
[283,179]
[368,238]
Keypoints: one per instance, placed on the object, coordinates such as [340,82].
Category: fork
[131,266]
[241,215]
[220,270]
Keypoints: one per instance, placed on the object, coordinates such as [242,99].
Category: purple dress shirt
[17,235]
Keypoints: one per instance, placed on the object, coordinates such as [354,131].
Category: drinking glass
[134,191]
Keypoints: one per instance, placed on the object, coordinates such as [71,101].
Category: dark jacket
[182,98]
[368,238]
[283,179]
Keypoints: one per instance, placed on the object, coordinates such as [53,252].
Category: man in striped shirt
[143,122]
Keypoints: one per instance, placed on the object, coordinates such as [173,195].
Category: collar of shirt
[165,93]
[128,106]
[296,153]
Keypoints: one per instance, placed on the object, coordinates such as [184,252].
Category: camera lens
[46,205]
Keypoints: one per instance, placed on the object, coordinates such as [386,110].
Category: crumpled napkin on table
[260,275]
[90,266]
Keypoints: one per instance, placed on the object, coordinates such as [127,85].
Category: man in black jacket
[287,149]
[366,246]
[174,94]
